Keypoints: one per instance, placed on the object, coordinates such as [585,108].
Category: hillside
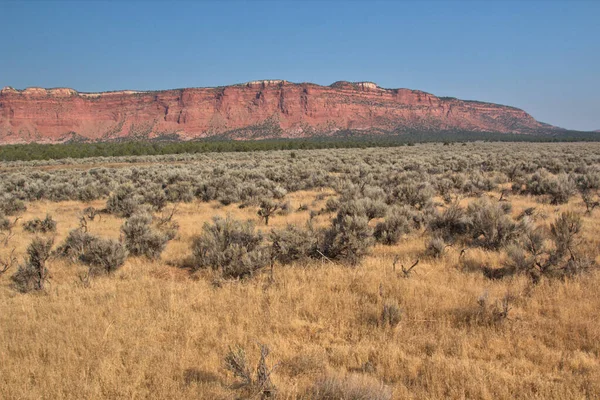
[258,109]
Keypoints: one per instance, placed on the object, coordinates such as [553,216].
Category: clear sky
[542,56]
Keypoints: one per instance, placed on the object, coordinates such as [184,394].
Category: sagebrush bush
[10,205]
[559,188]
[37,225]
[33,274]
[75,244]
[491,224]
[391,314]
[104,256]
[292,243]
[562,259]
[451,224]
[565,232]
[348,238]
[122,202]
[414,194]
[254,385]
[156,197]
[399,221]
[4,222]
[141,239]
[435,247]
[267,209]
[101,255]
[180,192]
[233,247]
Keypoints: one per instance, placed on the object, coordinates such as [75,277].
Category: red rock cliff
[256,109]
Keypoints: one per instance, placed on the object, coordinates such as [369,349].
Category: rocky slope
[259,109]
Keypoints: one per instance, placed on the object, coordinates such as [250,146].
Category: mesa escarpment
[257,109]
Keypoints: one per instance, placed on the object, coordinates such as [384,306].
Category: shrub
[232,247]
[88,193]
[374,208]
[451,223]
[101,255]
[565,231]
[179,192]
[141,239]
[33,275]
[562,189]
[75,244]
[332,205]
[348,238]
[435,248]
[491,226]
[5,224]
[532,257]
[90,213]
[256,385]
[104,256]
[156,197]
[559,188]
[399,222]
[414,194]
[10,205]
[122,202]
[37,225]
[391,314]
[167,225]
[292,244]
[267,209]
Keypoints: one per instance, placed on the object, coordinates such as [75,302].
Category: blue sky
[542,56]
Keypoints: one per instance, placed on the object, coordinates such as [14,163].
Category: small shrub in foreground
[292,244]
[32,275]
[104,256]
[141,239]
[101,255]
[122,202]
[397,223]
[349,238]
[256,385]
[37,225]
[230,246]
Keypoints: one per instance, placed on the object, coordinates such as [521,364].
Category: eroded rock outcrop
[257,109]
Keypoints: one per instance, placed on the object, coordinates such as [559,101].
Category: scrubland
[424,272]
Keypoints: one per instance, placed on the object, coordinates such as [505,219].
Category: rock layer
[258,109]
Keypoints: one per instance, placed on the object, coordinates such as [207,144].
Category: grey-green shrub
[232,247]
[348,238]
[122,202]
[9,205]
[292,243]
[400,221]
[141,239]
[33,274]
[37,225]
[101,255]
[104,256]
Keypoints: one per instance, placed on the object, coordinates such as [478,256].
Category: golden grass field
[153,330]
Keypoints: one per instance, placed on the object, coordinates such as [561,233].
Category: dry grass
[154,331]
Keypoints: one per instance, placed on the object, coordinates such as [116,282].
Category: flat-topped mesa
[256,109]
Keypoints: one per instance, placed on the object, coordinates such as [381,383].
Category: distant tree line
[344,139]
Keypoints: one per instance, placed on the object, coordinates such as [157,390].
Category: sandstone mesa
[257,109]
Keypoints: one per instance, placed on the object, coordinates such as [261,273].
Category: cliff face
[259,109]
